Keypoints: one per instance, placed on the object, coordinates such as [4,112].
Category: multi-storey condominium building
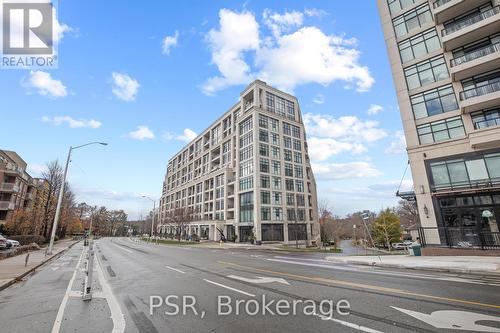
[445,61]
[247,176]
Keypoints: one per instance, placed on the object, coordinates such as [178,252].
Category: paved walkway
[457,264]
[13,267]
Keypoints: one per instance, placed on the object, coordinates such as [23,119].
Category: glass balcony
[468,21]
[475,54]
[486,123]
[480,91]
[439,3]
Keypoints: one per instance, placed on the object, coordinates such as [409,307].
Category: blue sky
[140,76]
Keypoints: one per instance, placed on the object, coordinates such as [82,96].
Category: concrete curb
[32,270]
[433,269]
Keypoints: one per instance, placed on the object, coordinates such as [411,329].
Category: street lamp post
[153,218]
[61,194]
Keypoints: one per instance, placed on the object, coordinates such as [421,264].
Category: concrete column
[285,232]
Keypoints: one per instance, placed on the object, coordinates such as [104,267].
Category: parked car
[3,243]
[13,243]
[402,246]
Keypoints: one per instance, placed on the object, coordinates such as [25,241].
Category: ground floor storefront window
[297,231]
[272,232]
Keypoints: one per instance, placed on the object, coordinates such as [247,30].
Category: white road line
[124,249]
[57,323]
[350,325]
[114,307]
[230,288]
[175,269]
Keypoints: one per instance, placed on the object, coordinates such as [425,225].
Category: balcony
[445,10]
[6,205]
[479,98]
[487,134]
[479,61]
[471,28]
[9,187]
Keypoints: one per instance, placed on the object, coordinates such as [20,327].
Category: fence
[459,237]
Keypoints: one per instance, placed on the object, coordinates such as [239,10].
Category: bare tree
[180,218]
[53,175]
[408,214]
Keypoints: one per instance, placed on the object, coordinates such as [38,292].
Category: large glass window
[264,150]
[264,165]
[272,232]
[265,213]
[246,125]
[297,231]
[493,165]
[265,181]
[288,170]
[280,106]
[277,214]
[246,153]
[276,167]
[246,183]
[441,130]
[276,183]
[396,6]
[263,136]
[246,207]
[426,72]
[412,20]
[435,101]
[277,198]
[265,198]
[246,168]
[419,45]
[486,118]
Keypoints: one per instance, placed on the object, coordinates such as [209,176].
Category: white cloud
[279,23]
[286,58]
[238,32]
[125,87]
[319,99]
[142,133]
[392,186]
[169,42]
[321,149]
[398,145]
[337,171]
[186,136]
[36,170]
[45,84]
[374,109]
[315,12]
[71,122]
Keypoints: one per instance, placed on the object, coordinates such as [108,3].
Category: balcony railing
[439,3]
[467,184]
[479,91]
[475,54]
[471,20]
[9,187]
[486,123]
[6,205]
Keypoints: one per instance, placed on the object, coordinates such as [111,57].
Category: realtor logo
[27,34]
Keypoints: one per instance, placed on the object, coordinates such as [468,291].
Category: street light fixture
[61,193]
[154,212]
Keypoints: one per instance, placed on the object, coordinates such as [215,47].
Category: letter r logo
[27,28]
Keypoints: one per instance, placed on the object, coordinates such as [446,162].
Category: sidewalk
[458,264]
[13,268]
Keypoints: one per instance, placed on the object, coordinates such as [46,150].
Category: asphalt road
[134,281]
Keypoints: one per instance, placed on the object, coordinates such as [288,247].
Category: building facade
[17,188]
[445,61]
[246,177]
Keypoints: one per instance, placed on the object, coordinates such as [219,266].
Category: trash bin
[416,250]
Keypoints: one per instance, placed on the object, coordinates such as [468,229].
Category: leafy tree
[386,228]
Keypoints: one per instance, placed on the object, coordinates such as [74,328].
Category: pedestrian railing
[459,237]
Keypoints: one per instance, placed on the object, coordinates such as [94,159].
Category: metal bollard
[26,260]
[87,291]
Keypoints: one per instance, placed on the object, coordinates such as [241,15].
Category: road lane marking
[350,325]
[362,286]
[259,279]
[57,323]
[230,288]
[124,249]
[175,269]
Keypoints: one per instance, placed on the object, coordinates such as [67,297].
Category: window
[246,183]
[493,165]
[412,20]
[298,172]
[263,121]
[289,184]
[287,129]
[290,199]
[264,150]
[419,45]
[276,198]
[290,214]
[435,101]
[299,186]
[264,165]
[246,139]
[263,136]
[297,145]
[276,167]
[301,214]
[272,232]
[297,231]
[296,132]
[486,118]
[288,155]
[297,157]
[287,142]
[290,110]
[245,125]
[398,5]
[441,130]
[275,139]
[480,84]
[426,72]
[300,200]
[246,207]
[277,214]
[280,106]
[276,182]
[265,213]
[275,153]
[288,170]
[246,168]
[265,198]
[265,181]
[275,124]
[246,153]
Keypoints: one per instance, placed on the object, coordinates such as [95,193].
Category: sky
[147,76]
